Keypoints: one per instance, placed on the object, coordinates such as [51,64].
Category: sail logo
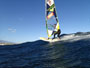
[50,15]
[50,2]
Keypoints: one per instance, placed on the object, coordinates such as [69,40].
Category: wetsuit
[56,32]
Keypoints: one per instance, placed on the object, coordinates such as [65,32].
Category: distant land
[3,42]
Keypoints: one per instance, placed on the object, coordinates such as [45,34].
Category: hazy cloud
[12,30]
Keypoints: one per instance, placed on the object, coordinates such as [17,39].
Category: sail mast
[46,16]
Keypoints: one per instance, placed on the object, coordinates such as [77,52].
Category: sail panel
[51,17]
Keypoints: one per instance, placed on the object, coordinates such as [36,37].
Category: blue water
[40,54]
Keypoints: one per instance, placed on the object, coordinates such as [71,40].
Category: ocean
[41,54]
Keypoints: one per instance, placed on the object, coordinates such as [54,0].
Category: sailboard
[49,40]
[51,18]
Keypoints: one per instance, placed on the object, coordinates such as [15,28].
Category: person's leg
[58,35]
[59,32]
[53,32]
[54,35]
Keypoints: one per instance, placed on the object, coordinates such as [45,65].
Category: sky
[24,20]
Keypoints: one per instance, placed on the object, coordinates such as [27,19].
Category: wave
[73,51]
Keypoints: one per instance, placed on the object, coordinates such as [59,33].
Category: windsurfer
[56,32]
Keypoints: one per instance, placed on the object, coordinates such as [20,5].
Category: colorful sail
[51,17]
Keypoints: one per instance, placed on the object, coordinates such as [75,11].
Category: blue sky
[24,20]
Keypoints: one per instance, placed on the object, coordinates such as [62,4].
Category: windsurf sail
[51,17]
